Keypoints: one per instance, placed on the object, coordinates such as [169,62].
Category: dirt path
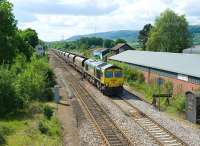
[65,112]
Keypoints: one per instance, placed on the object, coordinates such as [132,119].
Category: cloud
[55,19]
[57,7]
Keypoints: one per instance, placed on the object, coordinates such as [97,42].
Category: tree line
[13,40]
[24,76]
[86,43]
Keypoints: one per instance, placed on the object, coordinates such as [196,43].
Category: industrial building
[183,70]
[192,50]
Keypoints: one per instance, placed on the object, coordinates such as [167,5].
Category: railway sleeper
[174,144]
[170,141]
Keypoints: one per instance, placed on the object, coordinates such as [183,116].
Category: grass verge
[23,129]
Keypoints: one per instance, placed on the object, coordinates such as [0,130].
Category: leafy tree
[30,36]
[24,47]
[108,43]
[144,35]
[7,32]
[170,33]
[9,101]
[120,41]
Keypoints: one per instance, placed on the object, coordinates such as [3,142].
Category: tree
[108,43]
[144,35]
[170,33]
[120,41]
[30,36]
[8,31]
[24,47]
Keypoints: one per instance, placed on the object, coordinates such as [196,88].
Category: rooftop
[100,49]
[187,64]
[119,46]
[193,50]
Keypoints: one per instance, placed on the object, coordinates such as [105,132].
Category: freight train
[106,77]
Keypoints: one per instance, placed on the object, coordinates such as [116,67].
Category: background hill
[128,35]
[195,30]
[131,35]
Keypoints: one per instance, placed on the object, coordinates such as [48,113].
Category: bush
[50,78]
[9,101]
[167,87]
[30,85]
[48,112]
[42,126]
[2,139]
[179,103]
[4,131]
[48,95]
[49,127]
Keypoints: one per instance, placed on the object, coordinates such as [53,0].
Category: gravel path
[87,133]
[189,135]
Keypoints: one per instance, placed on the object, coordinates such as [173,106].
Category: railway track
[155,130]
[108,130]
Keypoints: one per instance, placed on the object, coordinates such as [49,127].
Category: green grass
[177,102]
[22,130]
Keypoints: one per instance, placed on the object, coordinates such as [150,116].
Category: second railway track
[155,130]
[108,130]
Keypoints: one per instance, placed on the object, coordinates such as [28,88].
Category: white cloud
[54,19]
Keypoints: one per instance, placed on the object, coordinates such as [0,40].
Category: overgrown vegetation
[48,112]
[22,129]
[135,79]
[24,82]
[25,79]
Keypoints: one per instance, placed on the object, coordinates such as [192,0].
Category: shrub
[2,139]
[50,78]
[179,103]
[42,126]
[4,131]
[30,85]
[48,112]
[49,127]
[9,101]
[168,87]
[48,95]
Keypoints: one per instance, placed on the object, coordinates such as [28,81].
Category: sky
[60,19]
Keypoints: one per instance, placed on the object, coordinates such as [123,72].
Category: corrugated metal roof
[187,64]
[193,50]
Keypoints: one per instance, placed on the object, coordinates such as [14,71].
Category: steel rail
[143,115]
[82,93]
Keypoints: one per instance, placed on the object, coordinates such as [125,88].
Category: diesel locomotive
[106,77]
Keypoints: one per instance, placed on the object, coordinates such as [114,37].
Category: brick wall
[179,85]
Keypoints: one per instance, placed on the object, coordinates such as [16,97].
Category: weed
[48,112]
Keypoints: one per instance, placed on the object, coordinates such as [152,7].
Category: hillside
[131,35]
[128,35]
[195,30]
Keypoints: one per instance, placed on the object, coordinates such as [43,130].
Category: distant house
[121,47]
[101,52]
[192,50]
[39,50]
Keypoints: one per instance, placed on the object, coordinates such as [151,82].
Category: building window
[194,80]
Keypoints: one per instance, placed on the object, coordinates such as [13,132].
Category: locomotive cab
[112,79]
